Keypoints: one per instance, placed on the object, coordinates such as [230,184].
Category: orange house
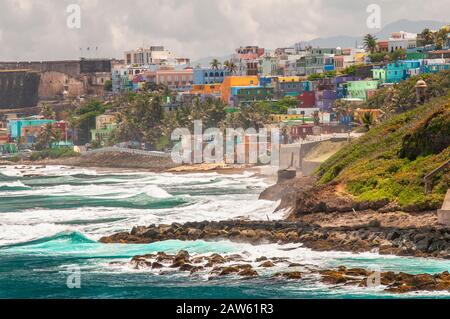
[207,89]
[232,81]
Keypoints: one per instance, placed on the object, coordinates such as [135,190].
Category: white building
[402,40]
[146,56]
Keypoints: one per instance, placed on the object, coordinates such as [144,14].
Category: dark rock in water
[262,258]
[267,264]
[290,275]
[163,257]
[395,282]
[197,260]
[422,242]
[215,259]
[156,265]
[248,273]
[187,267]
[196,269]
[229,270]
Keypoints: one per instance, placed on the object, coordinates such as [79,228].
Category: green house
[250,94]
[379,74]
[360,89]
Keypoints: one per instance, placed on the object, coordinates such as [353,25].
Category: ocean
[52,217]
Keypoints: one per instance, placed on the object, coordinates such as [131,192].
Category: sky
[38,30]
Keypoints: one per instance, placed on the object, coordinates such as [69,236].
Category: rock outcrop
[421,242]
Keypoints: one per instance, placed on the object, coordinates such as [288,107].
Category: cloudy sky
[37,30]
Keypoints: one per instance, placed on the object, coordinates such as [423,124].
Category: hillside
[389,162]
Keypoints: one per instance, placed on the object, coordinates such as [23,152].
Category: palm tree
[47,111]
[440,38]
[230,66]
[215,64]
[45,137]
[367,120]
[427,37]
[370,42]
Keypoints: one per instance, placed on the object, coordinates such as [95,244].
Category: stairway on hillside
[444,213]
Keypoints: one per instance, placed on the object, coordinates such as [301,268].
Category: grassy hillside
[390,161]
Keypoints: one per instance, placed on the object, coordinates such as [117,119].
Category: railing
[429,176]
[127,150]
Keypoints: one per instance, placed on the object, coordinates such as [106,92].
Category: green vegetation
[47,136]
[83,118]
[108,86]
[390,161]
[370,43]
[318,76]
[141,117]
[280,106]
[53,153]
[376,57]
[438,38]
[402,96]
[47,111]
[376,166]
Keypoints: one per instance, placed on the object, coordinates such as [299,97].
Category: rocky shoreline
[419,242]
[243,267]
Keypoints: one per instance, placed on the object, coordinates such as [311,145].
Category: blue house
[435,67]
[396,72]
[209,76]
[15,126]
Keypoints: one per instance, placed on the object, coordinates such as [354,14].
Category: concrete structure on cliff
[18,89]
[59,79]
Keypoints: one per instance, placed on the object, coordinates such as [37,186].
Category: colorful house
[209,76]
[236,81]
[290,86]
[17,127]
[105,124]
[379,74]
[396,72]
[359,89]
[207,89]
[307,99]
[435,67]
[249,94]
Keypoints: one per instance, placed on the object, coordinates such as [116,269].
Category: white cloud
[191,28]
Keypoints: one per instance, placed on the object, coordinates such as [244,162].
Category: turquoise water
[51,222]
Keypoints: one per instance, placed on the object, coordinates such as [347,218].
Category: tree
[370,42]
[230,66]
[440,38]
[397,55]
[48,112]
[215,64]
[47,136]
[426,37]
[108,86]
[84,118]
[342,109]
[367,120]
[287,102]
[376,57]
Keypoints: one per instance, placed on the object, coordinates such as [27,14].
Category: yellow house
[289,79]
[103,120]
[360,57]
[233,81]
[284,117]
